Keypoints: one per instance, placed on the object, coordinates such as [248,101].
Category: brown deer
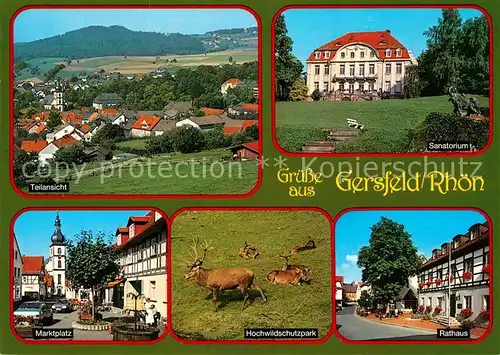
[290,277]
[307,246]
[304,269]
[221,279]
[248,252]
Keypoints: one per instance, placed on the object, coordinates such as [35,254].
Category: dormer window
[338,44]
[317,55]
[342,55]
[382,43]
[456,244]
[131,230]
[119,239]
[399,52]
[372,54]
[327,55]
[388,52]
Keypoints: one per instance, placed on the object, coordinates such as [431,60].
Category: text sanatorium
[53,333]
[449,146]
[259,333]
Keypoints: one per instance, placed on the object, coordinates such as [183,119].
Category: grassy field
[144,64]
[134,143]
[272,233]
[189,179]
[386,122]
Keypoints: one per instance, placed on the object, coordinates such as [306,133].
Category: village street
[353,327]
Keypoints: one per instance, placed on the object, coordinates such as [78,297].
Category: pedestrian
[150,312]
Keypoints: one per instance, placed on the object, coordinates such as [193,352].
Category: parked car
[38,310]
[62,306]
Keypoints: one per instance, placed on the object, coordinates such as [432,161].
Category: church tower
[58,97]
[57,259]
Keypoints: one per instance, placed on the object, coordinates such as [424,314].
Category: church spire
[57,237]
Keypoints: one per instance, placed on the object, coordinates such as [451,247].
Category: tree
[92,262]
[214,139]
[174,60]
[252,132]
[230,59]
[25,166]
[71,155]
[365,300]
[54,119]
[21,65]
[388,261]
[412,83]
[299,90]
[288,67]
[110,132]
[187,139]
[160,144]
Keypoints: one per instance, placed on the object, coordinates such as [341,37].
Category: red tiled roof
[350,288]
[254,146]
[42,115]
[85,128]
[250,107]
[72,117]
[248,123]
[121,230]
[211,111]
[41,128]
[141,220]
[93,116]
[149,121]
[108,111]
[33,146]
[32,265]
[65,141]
[230,130]
[232,81]
[339,279]
[378,40]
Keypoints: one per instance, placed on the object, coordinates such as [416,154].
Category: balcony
[354,76]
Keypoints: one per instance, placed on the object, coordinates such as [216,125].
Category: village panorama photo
[143,101]
[82,275]
[370,83]
[413,275]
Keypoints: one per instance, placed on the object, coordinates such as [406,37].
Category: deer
[307,246]
[248,252]
[290,277]
[304,269]
[216,280]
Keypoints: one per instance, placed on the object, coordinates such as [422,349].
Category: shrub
[426,317]
[428,309]
[71,155]
[316,95]
[421,308]
[214,139]
[437,310]
[187,139]
[449,128]
[160,144]
[293,138]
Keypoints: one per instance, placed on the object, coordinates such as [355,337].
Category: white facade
[187,122]
[139,133]
[47,153]
[120,120]
[56,267]
[64,131]
[17,262]
[338,291]
[470,254]
[143,265]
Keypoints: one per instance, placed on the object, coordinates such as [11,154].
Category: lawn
[134,143]
[387,122]
[176,178]
[272,233]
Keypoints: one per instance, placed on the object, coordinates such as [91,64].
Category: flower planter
[126,332]
[486,268]
[24,332]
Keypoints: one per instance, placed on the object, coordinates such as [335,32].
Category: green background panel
[271,193]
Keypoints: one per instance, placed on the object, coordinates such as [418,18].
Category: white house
[142,245]
[17,261]
[63,131]
[119,119]
[229,84]
[144,125]
[467,275]
[339,294]
[48,152]
[33,274]
[205,123]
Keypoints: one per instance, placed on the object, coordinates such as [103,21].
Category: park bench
[355,124]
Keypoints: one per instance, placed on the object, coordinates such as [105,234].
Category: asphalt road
[352,327]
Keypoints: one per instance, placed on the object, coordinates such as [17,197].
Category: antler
[194,247]
[205,247]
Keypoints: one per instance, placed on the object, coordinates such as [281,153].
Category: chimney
[388,31]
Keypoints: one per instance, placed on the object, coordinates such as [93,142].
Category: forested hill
[101,41]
